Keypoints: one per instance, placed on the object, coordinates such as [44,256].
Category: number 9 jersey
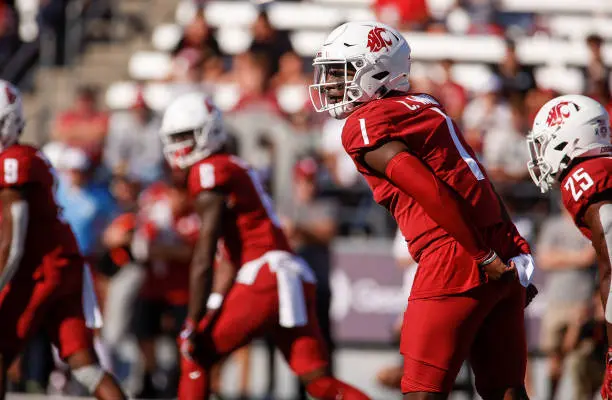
[251,228]
[26,169]
[586,183]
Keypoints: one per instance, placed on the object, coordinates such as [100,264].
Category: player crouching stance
[263,288]
[570,144]
[41,276]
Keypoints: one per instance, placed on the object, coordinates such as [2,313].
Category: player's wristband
[188,328]
[214,301]
[489,259]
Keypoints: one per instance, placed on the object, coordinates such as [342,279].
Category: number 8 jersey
[587,182]
[250,225]
[25,169]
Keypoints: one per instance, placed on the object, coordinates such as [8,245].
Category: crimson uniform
[587,182]
[266,289]
[452,314]
[46,292]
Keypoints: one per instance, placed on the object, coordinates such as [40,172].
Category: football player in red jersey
[41,269]
[570,145]
[468,296]
[263,287]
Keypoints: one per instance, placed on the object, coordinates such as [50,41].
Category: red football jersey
[24,167]
[587,182]
[420,122]
[250,225]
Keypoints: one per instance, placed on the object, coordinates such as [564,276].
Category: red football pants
[248,312]
[484,325]
[51,301]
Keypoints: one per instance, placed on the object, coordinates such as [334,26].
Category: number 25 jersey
[586,183]
[250,225]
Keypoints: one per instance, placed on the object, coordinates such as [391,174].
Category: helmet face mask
[335,89]
[540,171]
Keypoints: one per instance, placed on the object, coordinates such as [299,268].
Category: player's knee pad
[89,376]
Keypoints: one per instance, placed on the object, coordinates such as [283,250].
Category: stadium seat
[559,78]
[292,98]
[149,65]
[121,95]
[166,37]
[230,13]
[577,26]
[226,96]
[234,40]
[556,6]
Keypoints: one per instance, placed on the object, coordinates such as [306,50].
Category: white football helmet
[11,115]
[565,128]
[377,54]
[191,130]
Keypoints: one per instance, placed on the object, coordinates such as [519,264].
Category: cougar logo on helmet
[558,113]
[376,41]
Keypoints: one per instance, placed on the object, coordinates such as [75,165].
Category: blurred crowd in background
[127,208]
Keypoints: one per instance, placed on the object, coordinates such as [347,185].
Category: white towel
[290,272]
[525,266]
[93,316]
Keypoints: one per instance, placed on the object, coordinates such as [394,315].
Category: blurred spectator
[516,79]
[451,94]
[87,207]
[311,226]
[125,191]
[488,111]
[586,343]
[481,16]
[199,36]
[9,41]
[290,72]
[403,14]
[212,71]
[268,43]
[133,146]
[534,100]
[337,162]
[249,71]
[596,73]
[186,67]
[568,258]
[84,125]
[504,147]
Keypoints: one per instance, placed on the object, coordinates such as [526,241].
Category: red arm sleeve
[409,174]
